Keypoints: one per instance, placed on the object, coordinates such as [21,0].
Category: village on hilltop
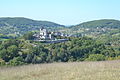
[50,37]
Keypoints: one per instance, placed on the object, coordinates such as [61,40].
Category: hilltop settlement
[50,37]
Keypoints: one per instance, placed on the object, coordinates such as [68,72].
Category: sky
[65,12]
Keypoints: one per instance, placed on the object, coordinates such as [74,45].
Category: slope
[22,25]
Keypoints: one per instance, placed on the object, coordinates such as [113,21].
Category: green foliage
[16,61]
[28,36]
[96,57]
[19,51]
[4,55]
[107,23]
[20,25]
[95,28]
[103,46]
[2,62]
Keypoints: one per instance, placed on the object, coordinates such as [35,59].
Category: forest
[21,51]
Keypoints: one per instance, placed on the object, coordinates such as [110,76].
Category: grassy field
[105,70]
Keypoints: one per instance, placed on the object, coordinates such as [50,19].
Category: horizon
[58,23]
[61,12]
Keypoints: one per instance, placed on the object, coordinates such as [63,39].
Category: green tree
[12,51]
[16,61]
[28,36]
[96,57]
[4,55]
[2,62]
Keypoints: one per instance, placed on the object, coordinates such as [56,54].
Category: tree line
[20,51]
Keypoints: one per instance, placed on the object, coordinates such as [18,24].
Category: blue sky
[66,12]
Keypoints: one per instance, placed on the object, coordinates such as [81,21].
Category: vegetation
[23,51]
[97,40]
[104,23]
[95,28]
[20,25]
[92,41]
[107,70]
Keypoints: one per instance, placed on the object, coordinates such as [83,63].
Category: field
[104,70]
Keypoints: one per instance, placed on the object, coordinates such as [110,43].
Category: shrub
[2,62]
[96,57]
[16,61]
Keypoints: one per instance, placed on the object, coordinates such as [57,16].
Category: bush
[16,61]
[2,62]
[96,57]
[117,58]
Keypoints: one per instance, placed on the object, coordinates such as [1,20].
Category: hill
[95,28]
[18,26]
[107,70]
[22,25]
[103,23]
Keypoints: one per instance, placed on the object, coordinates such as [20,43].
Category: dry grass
[108,70]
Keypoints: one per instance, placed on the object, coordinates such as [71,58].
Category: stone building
[44,34]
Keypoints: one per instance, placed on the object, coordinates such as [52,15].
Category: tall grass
[105,70]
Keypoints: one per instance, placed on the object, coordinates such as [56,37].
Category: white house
[45,35]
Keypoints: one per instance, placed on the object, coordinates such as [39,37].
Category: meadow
[101,70]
